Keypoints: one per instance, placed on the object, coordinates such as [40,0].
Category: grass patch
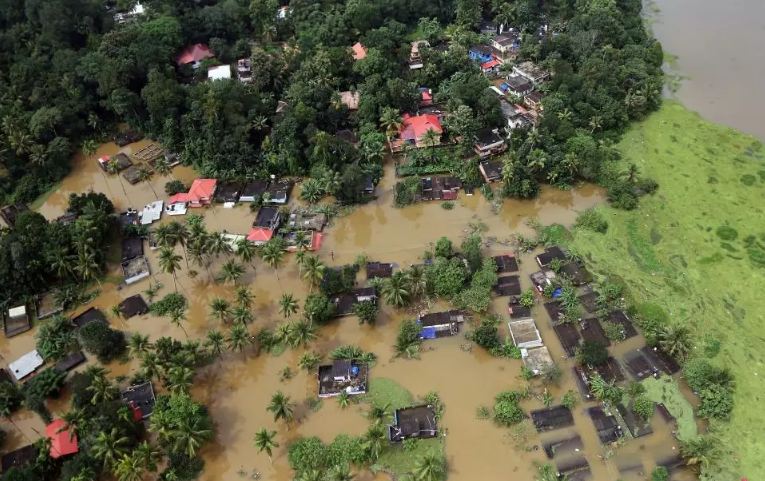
[666,391]
[715,290]
[384,391]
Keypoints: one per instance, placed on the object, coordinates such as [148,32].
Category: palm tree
[170,263]
[75,420]
[246,250]
[301,333]
[87,267]
[281,407]
[374,441]
[288,305]
[215,343]
[313,271]
[310,475]
[241,315]
[417,282]
[101,388]
[238,338]
[675,340]
[180,379]
[244,297]
[138,345]
[300,260]
[264,441]
[231,271]
[148,455]
[220,309]
[395,289]
[109,446]
[164,236]
[430,467]
[144,175]
[218,244]
[701,451]
[113,168]
[162,166]
[272,253]
[431,138]
[340,472]
[391,122]
[177,317]
[129,468]
[150,366]
[180,235]
[190,435]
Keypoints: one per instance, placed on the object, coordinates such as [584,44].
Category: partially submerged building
[265,225]
[593,331]
[605,424]
[253,190]
[26,365]
[488,143]
[307,220]
[133,174]
[48,306]
[348,376]
[439,188]
[508,286]
[71,361]
[228,193]
[568,337]
[639,366]
[133,306]
[346,301]
[63,440]
[17,321]
[413,422]
[151,212]
[132,247]
[554,417]
[140,399]
[135,269]
[537,360]
[379,270]
[278,192]
[91,314]
[506,263]
[200,193]
[637,426]
[118,162]
[622,320]
[19,458]
[491,170]
[524,333]
[549,255]
[440,324]
[565,447]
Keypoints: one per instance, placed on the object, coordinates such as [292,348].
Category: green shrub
[406,191]
[443,247]
[366,311]
[307,454]
[507,412]
[10,398]
[99,339]
[486,334]
[592,353]
[169,304]
[592,219]
[716,402]
[408,339]
[55,338]
[660,473]
[643,407]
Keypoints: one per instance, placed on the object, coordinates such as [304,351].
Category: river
[718,50]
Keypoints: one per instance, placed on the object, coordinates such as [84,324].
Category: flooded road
[238,388]
[719,51]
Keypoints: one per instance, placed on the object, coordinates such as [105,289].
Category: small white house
[219,73]
[26,365]
[151,212]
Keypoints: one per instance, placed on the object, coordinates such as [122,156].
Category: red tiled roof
[194,53]
[260,234]
[490,64]
[359,51]
[201,190]
[414,127]
[62,442]
[426,96]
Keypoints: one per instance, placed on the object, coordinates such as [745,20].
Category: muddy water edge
[238,388]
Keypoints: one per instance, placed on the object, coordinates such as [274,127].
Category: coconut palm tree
[150,366]
[162,166]
[301,333]
[390,120]
[340,472]
[231,271]
[300,259]
[281,407]
[218,244]
[170,263]
[144,175]
[87,267]
[220,308]
[180,378]
[395,289]
[241,315]
[431,138]
[148,455]
[109,446]
[101,388]
[239,338]
[75,420]
[701,451]
[246,250]
[313,271]
[244,297]
[288,305]
[129,468]
[265,442]
[675,340]
[272,253]
[138,345]
[113,168]
[189,436]
[177,317]
[430,467]
[374,441]
[164,235]
[215,343]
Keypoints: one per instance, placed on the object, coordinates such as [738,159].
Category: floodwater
[719,53]
[238,388]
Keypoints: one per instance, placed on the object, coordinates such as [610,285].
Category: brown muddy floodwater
[238,389]
[719,53]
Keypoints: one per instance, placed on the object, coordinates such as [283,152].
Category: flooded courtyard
[238,388]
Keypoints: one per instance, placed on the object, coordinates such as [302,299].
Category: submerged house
[89,315]
[555,417]
[537,360]
[439,188]
[524,333]
[277,192]
[440,324]
[413,422]
[140,399]
[491,170]
[63,441]
[133,306]
[228,193]
[10,213]
[200,193]
[549,255]
[25,365]
[348,376]
[345,301]
[17,321]
[302,219]
[253,191]
[379,269]
[265,225]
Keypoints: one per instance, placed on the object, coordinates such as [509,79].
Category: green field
[697,248]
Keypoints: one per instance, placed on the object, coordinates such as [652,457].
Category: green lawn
[697,248]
